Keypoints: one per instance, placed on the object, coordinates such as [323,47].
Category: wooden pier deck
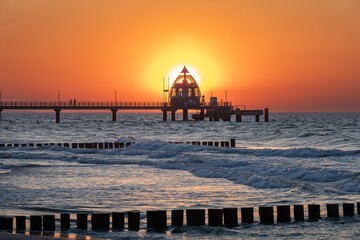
[222,110]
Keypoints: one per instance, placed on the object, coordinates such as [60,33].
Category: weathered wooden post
[247,215]
[298,212]
[232,142]
[177,217]
[230,217]
[49,222]
[348,209]
[332,210]
[20,223]
[156,219]
[266,215]
[133,220]
[6,223]
[82,221]
[215,217]
[195,217]
[35,223]
[100,221]
[283,213]
[118,220]
[314,211]
[65,221]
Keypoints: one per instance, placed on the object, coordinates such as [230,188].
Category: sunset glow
[286,55]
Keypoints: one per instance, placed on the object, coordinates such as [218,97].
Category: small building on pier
[185,91]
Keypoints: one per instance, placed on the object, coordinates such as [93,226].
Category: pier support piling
[173,115]
[114,114]
[0,113]
[185,114]
[164,116]
[257,118]
[266,116]
[57,113]
[202,114]
[238,118]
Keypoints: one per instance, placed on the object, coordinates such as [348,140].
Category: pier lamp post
[115,95]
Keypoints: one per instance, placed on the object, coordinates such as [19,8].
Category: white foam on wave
[259,168]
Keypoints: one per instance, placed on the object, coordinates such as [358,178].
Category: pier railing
[101,104]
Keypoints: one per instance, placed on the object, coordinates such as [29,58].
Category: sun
[175,72]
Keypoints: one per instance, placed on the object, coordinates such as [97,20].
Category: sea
[296,158]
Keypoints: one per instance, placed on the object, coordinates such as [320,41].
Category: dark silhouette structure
[185,91]
[184,95]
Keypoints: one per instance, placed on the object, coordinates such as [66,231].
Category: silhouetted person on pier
[74,102]
[70,102]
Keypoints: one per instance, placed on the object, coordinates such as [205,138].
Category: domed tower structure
[185,91]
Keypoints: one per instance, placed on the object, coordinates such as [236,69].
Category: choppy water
[297,158]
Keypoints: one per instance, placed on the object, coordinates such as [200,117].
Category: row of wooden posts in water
[157,219]
[111,145]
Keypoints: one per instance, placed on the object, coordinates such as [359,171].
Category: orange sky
[297,55]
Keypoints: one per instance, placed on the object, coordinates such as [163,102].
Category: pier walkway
[215,112]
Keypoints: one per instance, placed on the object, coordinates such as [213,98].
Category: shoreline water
[294,159]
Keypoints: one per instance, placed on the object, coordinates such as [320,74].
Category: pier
[213,112]
[184,95]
